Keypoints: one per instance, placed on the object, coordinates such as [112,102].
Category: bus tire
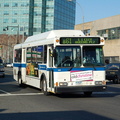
[20,80]
[44,87]
[88,93]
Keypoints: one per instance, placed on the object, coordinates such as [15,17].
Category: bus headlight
[63,84]
[98,82]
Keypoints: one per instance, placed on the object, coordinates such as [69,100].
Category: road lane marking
[22,94]
[27,94]
[5,92]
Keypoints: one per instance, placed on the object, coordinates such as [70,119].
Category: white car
[9,65]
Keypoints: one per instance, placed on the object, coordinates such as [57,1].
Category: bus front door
[51,72]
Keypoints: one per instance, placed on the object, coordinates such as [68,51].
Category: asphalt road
[29,103]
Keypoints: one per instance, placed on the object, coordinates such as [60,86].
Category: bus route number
[67,41]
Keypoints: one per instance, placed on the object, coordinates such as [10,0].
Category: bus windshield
[67,56]
[76,56]
[93,56]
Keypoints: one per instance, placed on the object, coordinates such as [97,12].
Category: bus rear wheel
[88,93]
[44,87]
[20,81]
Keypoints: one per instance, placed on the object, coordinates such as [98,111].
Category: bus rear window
[17,55]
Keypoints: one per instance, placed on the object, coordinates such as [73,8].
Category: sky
[96,9]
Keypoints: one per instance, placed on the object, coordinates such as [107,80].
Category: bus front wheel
[44,87]
[88,93]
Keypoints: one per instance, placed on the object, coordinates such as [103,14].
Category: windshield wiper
[93,66]
[88,64]
[71,66]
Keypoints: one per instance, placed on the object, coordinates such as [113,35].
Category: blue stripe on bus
[44,67]
[19,65]
[75,69]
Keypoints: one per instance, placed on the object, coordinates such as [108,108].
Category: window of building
[110,34]
[14,13]
[87,32]
[24,4]
[112,59]
[36,29]
[5,20]
[6,13]
[6,4]
[14,4]
[14,20]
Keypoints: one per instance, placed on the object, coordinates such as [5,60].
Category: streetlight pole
[17,41]
[81,11]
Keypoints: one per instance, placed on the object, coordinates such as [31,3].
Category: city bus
[61,61]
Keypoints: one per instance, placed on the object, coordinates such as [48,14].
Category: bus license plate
[78,82]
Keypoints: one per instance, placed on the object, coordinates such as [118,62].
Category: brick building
[7,43]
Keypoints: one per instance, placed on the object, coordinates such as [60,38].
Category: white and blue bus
[61,61]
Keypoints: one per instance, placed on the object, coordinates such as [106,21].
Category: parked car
[113,72]
[2,70]
[9,65]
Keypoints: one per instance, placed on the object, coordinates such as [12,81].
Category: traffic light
[5,29]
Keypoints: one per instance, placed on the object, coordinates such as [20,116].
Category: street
[29,103]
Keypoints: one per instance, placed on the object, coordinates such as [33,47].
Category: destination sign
[79,40]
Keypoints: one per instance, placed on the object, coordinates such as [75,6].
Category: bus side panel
[99,75]
[15,73]
[33,81]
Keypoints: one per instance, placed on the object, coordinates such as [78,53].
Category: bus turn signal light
[57,40]
[102,40]
[56,84]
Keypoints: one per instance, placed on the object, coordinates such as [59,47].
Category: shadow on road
[10,85]
[59,115]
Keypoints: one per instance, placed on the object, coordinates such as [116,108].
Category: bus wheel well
[43,85]
[19,73]
[20,79]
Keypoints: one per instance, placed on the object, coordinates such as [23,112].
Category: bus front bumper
[73,89]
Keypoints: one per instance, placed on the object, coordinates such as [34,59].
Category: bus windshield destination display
[79,40]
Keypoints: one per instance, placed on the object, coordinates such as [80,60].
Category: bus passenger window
[34,54]
[45,54]
[17,55]
[40,54]
[28,55]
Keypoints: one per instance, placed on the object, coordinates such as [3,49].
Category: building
[21,18]
[109,28]
[7,43]
[35,16]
